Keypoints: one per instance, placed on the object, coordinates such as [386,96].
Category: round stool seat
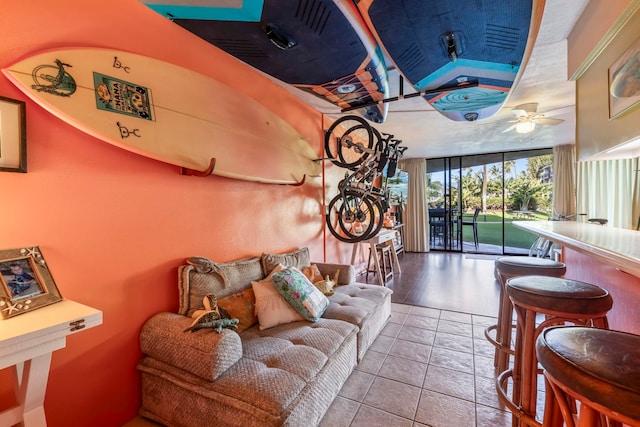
[555,294]
[523,266]
[598,367]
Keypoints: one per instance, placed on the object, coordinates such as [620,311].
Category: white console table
[26,344]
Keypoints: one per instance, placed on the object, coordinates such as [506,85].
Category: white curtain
[564,181]
[415,216]
[609,189]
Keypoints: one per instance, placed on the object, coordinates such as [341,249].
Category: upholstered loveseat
[286,374]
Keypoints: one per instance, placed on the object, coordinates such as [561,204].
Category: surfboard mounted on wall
[166,112]
[320,46]
[441,43]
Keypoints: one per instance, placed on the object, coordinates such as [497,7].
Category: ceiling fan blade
[520,114]
[547,121]
[530,108]
[509,128]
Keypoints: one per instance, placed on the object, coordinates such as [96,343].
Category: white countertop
[618,246]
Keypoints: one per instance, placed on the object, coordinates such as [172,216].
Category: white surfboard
[166,112]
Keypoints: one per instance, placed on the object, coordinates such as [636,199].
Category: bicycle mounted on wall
[356,213]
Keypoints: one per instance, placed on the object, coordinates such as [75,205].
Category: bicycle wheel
[352,157]
[349,140]
[379,209]
[350,218]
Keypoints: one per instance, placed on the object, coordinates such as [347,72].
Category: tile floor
[429,367]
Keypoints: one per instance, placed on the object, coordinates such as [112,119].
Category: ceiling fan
[527,118]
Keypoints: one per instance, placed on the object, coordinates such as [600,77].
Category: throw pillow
[298,259]
[271,308]
[241,306]
[300,293]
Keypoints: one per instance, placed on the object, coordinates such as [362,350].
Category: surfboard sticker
[53,79]
[122,97]
[166,112]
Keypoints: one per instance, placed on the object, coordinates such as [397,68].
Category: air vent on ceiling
[501,37]
[410,58]
[239,48]
[314,14]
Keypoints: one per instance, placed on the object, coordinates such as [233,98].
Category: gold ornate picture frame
[26,283]
[624,82]
[13,136]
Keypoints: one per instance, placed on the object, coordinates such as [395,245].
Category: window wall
[473,201]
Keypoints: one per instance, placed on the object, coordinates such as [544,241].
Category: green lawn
[490,229]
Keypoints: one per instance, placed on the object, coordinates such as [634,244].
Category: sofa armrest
[347,272]
[205,353]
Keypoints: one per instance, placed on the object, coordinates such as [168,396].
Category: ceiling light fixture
[525,126]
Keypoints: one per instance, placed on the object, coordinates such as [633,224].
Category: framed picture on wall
[13,139]
[25,282]
[624,82]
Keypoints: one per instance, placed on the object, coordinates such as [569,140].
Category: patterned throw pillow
[241,306]
[300,293]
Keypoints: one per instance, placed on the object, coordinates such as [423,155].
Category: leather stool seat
[561,301]
[508,267]
[599,368]
[559,296]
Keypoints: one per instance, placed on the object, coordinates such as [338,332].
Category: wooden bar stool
[561,301]
[598,368]
[383,252]
[506,268]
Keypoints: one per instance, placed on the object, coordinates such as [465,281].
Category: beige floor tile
[464,329]
[453,383]
[371,362]
[403,370]
[411,350]
[391,330]
[382,344]
[483,366]
[454,342]
[491,417]
[340,413]
[397,317]
[419,335]
[483,347]
[394,397]
[455,316]
[425,312]
[439,410]
[357,386]
[451,359]
[400,308]
[372,417]
[422,322]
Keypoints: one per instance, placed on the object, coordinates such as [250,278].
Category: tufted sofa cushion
[288,375]
[366,306]
[208,356]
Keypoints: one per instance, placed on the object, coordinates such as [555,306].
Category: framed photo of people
[26,283]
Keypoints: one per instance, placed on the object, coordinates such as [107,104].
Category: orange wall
[114,226]
[623,287]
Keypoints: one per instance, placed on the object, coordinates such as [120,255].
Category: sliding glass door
[474,200]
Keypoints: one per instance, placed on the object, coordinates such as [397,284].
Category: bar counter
[604,256]
[617,246]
